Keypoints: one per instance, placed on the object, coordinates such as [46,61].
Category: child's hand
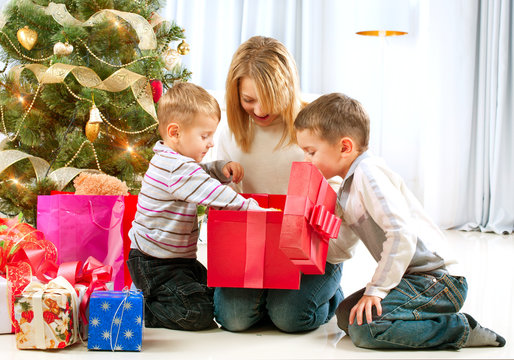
[365,304]
[235,170]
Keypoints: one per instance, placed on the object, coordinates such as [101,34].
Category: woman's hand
[235,170]
[365,304]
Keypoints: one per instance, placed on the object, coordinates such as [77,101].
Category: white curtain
[446,119]
[440,98]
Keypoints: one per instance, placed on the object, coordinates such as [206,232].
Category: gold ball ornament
[63,48]
[93,125]
[171,59]
[183,48]
[27,37]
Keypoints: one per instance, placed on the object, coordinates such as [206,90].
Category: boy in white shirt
[413,299]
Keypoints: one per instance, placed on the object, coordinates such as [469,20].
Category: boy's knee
[361,336]
[199,318]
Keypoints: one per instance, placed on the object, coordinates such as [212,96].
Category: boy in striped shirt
[164,233]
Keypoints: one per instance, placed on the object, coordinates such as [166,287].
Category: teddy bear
[99,184]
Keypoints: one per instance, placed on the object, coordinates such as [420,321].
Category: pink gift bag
[81,226]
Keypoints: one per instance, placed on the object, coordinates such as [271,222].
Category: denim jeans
[422,312]
[237,309]
[175,291]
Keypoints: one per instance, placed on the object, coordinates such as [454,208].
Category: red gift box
[309,220]
[253,249]
[242,248]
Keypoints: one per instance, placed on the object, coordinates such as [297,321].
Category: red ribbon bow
[324,222]
[94,275]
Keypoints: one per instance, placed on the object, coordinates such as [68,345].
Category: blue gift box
[115,321]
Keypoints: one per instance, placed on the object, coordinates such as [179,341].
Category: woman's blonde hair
[272,68]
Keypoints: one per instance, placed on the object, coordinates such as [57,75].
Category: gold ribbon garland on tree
[143,29]
[118,81]
[61,176]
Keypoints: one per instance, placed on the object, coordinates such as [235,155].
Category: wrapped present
[309,220]
[92,276]
[242,248]
[255,249]
[115,321]
[24,254]
[46,315]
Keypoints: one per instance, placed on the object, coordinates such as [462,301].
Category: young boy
[413,299]
[164,233]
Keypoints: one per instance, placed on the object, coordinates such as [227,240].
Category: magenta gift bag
[85,225]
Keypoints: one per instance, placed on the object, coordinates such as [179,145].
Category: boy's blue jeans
[422,312]
[175,291]
[237,309]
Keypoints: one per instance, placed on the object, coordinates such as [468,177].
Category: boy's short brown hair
[182,102]
[334,116]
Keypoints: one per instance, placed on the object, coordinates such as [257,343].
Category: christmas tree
[78,92]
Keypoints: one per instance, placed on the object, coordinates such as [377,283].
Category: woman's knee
[238,309]
[233,323]
[294,319]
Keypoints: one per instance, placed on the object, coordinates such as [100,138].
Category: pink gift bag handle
[92,215]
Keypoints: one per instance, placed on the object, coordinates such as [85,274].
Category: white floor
[488,262]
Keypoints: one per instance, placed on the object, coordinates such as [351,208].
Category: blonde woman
[263,99]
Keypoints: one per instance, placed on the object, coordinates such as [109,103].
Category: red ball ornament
[156,89]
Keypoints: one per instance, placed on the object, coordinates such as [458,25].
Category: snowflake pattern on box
[115,321]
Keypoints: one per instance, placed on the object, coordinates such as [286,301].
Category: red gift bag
[81,226]
[242,248]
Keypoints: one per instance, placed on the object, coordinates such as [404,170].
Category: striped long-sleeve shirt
[165,224]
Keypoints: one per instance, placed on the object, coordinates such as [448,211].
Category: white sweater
[266,170]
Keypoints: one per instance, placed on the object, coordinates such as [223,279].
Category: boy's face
[327,157]
[196,139]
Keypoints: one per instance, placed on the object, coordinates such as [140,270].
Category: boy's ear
[173,130]
[346,145]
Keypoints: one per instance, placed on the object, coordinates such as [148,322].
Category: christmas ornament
[183,48]
[171,59]
[63,48]
[27,37]
[93,125]
[156,89]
